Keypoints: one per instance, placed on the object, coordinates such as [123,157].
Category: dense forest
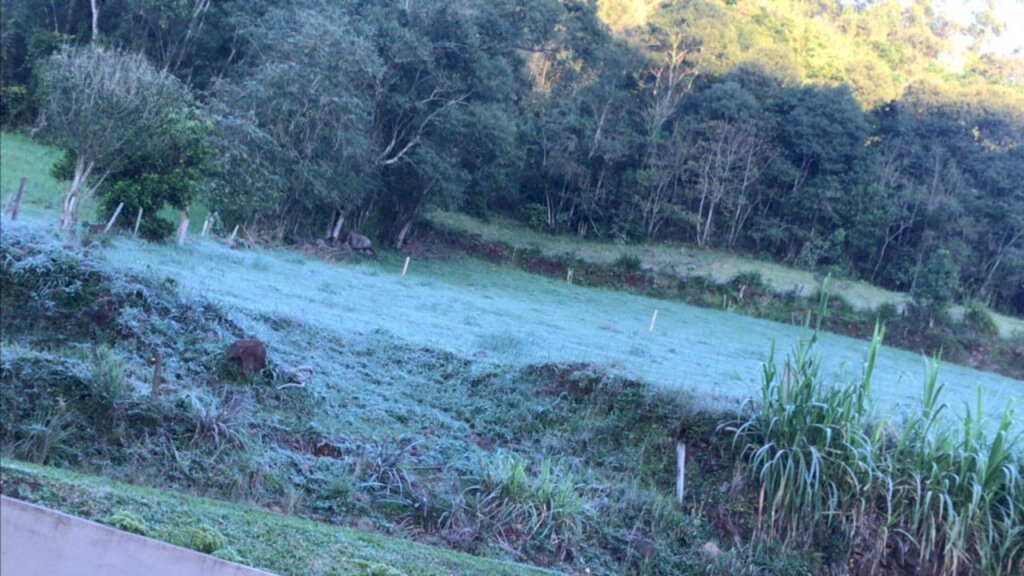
[873,139]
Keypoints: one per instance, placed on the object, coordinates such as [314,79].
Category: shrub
[109,392]
[46,437]
[206,539]
[937,283]
[947,499]
[629,264]
[979,320]
[129,522]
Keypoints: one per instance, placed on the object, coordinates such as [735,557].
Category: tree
[937,284]
[294,129]
[102,107]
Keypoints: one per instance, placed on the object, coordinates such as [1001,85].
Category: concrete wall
[36,541]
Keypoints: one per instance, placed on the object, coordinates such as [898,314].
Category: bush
[979,320]
[129,522]
[109,392]
[749,284]
[215,421]
[629,264]
[539,511]
[206,539]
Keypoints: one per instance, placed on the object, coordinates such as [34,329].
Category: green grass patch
[21,156]
[275,542]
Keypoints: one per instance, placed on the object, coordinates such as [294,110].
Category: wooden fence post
[681,478]
[183,227]
[16,205]
[654,319]
[406,267]
[158,369]
[138,220]
[113,218]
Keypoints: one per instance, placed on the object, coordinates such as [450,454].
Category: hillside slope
[285,545]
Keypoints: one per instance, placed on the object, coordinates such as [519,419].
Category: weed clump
[129,522]
[978,319]
[206,539]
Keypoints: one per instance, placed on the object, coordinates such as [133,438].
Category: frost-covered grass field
[497,314]
[688,261]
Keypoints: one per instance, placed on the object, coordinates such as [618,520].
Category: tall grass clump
[958,493]
[539,511]
[812,448]
[929,494]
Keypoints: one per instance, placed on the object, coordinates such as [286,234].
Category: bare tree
[728,162]
[101,106]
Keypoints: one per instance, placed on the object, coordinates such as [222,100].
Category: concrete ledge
[36,541]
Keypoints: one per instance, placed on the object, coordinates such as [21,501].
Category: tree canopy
[861,138]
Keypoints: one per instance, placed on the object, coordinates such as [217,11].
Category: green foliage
[978,318]
[526,509]
[938,283]
[215,421]
[206,539]
[947,494]
[169,177]
[129,522]
[47,436]
[105,108]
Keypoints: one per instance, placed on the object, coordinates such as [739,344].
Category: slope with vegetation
[467,406]
[563,464]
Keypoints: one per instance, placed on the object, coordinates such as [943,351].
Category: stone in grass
[249,355]
[711,549]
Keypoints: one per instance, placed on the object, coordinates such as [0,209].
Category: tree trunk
[82,172]
[95,21]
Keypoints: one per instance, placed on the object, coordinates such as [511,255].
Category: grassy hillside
[466,405]
[497,314]
[560,464]
[688,261]
[501,315]
[281,544]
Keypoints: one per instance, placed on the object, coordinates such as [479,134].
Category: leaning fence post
[406,267]
[654,319]
[16,204]
[138,220]
[113,218]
